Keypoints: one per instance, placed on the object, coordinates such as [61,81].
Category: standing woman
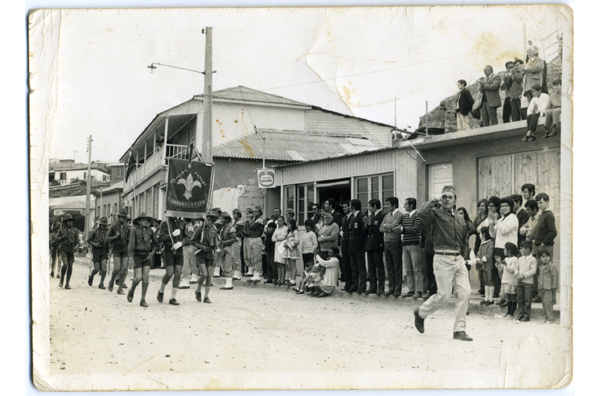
[328,235]
[493,215]
[480,222]
[279,237]
[291,252]
[332,272]
[470,226]
[505,229]
[170,234]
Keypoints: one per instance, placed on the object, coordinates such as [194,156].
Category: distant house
[242,119]
[64,171]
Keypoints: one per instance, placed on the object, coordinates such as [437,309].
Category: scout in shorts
[68,240]
[99,242]
[118,236]
[142,245]
[170,235]
[206,240]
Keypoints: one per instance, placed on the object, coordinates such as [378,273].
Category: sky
[352,60]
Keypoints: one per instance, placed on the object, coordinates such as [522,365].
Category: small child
[526,269]
[509,282]
[270,252]
[547,283]
[308,244]
[484,257]
[499,263]
[309,276]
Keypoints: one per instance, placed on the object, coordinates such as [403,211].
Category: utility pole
[207,103]
[88,191]
[426,118]
[395,113]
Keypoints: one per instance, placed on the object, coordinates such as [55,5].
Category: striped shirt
[411,229]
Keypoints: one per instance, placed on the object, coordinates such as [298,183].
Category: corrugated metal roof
[293,145]
[251,95]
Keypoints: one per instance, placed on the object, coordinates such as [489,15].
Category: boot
[237,275]
[228,284]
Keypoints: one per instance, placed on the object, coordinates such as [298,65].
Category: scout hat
[123,213]
[142,215]
[449,189]
[226,215]
[212,215]
[103,221]
[67,217]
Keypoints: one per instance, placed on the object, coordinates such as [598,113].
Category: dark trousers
[506,111]
[266,268]
[524,292]
[489,115]
[345,269]
[480,272]
[495,275]
[532,122]
[393,263]
[359,271]
[376,270]
[430,274]
[242,261]
[271,264]
[515,107]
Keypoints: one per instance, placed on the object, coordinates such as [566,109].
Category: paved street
[252,335]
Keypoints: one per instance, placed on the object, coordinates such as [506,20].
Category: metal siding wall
[400,161]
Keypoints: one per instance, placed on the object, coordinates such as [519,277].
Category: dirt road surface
[266,337]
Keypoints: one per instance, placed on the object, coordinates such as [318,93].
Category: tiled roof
[251,95]
[294,146]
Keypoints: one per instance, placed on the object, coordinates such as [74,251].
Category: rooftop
[245,94]
[294,146]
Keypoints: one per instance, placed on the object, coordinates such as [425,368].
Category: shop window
[306,198]
[374,187]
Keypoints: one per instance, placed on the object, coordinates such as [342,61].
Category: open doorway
[336,189]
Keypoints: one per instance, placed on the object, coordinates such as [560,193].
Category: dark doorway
[336,189]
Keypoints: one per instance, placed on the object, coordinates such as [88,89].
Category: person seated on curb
[326,284]
[537,108]
[553,110]
[308,279]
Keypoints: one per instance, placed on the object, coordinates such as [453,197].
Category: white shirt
[411,214]
[395,211]
[541,102]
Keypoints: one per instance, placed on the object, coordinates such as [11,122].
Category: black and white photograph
[317,198]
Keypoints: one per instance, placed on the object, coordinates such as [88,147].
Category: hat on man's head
[216,210]
[212,215]
[141,216]
[123,213]
[103,221]
[449,189]
[225,215]
[67,217]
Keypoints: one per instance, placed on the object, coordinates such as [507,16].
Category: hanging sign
[266,178]
[189,188]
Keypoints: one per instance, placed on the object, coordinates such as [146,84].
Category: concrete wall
[108,199]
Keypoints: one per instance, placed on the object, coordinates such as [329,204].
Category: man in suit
[464,104]
[505,86]
[374,248]
[490,87]
[391,228]
[345,237]
[329,206]
[356,248]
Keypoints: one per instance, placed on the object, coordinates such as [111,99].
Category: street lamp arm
[152,67]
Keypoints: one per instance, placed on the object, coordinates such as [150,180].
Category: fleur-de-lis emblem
[189,184]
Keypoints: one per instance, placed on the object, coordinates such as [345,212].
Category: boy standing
[99,242]
[526,269]
[546,226]
[547,284]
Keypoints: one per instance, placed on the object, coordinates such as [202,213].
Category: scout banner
[189,188]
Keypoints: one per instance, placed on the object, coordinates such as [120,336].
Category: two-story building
[64,171]
[245,122]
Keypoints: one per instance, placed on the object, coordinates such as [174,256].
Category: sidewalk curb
[474,302]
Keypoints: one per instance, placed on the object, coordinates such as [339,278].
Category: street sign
[266,178]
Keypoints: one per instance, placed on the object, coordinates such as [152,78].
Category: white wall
[72,174]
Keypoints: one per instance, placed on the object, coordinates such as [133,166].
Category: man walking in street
[68,240]
[236,247]
[451,245]
[228,240]
[118,236]
[189,260]
[205,239]
[99,242]
[412,257]
[392,240]
[142,246]
[374,248]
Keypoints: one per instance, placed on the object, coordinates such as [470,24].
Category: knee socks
[69,272]
[62,273]
[144,289]
[103,276]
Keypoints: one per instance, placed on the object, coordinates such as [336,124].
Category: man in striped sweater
[412,257]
